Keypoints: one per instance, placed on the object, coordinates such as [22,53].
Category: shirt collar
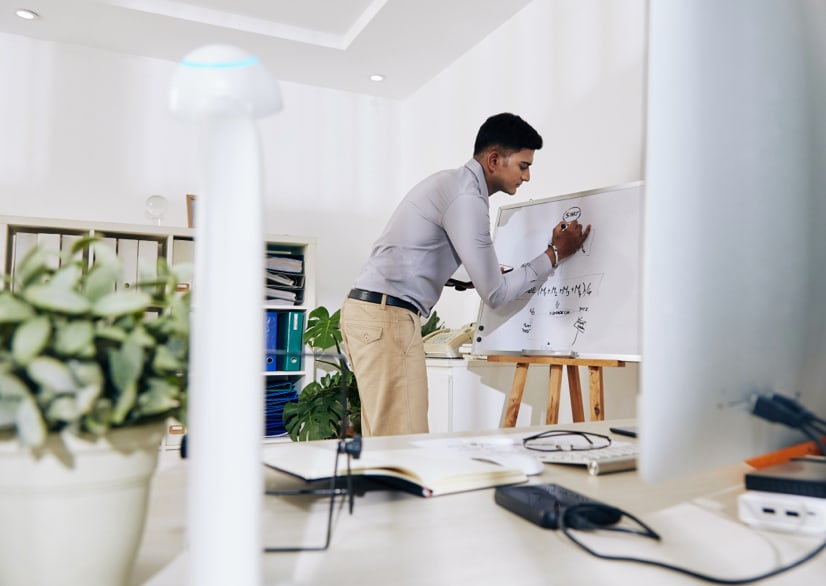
[476,168]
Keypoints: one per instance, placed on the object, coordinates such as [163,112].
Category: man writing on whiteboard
[443,222]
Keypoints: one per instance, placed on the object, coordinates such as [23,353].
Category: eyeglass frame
[587,435]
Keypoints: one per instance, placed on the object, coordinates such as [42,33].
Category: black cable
[350,449]
[818,428]
[779,409]
[794,406]
[569,519]
[333,492]
[788,411]
[815,437]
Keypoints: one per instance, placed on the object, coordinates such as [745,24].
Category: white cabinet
[144,244]
[468,395]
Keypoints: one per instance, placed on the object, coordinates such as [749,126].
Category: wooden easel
[555,386]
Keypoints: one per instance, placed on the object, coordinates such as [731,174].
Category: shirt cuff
[541,265]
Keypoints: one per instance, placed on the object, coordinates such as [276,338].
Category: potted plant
[317,413]
[88,377]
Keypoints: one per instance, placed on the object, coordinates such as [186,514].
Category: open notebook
[422,471]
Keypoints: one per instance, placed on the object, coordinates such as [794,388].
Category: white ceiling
[329,43]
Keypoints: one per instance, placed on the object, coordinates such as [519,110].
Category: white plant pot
[75,515]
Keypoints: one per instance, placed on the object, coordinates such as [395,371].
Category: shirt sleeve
[467,223]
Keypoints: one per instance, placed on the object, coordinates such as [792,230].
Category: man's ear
[490,158]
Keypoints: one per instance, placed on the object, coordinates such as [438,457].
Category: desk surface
[397,538]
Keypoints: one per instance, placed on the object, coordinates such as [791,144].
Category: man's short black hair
[508,131]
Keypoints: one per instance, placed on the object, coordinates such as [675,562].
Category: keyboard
[617,457]
[615,450]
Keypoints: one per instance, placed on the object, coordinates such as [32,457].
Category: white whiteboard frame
[632,248]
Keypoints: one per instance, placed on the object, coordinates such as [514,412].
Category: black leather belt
[373,297]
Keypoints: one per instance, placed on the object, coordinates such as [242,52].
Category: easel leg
[554,388]
[515,397]
[597,394]
[575,389]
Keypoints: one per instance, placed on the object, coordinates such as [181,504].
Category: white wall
[87,134]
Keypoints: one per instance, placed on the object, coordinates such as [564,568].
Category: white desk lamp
[225,89]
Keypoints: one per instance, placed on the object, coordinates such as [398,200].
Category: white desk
[467,539]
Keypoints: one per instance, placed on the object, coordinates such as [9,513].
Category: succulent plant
[76,353]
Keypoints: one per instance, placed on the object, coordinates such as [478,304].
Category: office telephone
[445,343]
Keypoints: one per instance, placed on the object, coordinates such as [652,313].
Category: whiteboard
[590,306]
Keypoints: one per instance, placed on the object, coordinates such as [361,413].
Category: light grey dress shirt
[443,222]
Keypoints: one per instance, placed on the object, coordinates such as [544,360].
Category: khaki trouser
[384,346]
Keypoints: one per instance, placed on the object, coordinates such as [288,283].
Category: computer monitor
[734,269]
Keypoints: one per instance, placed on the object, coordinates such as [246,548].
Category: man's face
[512,170]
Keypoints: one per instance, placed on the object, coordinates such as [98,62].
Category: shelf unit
[176,245]
[285,379]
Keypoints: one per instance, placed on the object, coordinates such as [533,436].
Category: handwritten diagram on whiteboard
[590,305]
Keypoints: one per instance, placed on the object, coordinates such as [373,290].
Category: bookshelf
[290,289]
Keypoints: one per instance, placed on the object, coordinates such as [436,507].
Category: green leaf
[56,299]
[12,393]
[178,346]
[121,303]
[30,339]
[31,429]
[316,414]
[99,420]
[111,333]
[126,365]
[12,309]
[35,263]
[76,253]
[100,281]
[124,404]
[323,329]
[66,278]
[73,337]
[63,410]
[432,324]
[105,256]
[8,412]
[12,386]
[142,337]
[86,396]
[51,373]
[165,362]
[86,372]
[161,397]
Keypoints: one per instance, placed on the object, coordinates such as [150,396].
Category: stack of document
[284,283]
[285,264]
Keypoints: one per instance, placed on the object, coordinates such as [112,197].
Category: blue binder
[271,341]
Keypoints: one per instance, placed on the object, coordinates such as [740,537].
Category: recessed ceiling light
[377,77]
[27,14]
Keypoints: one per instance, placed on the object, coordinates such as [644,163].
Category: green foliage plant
[317,413]
[76,354]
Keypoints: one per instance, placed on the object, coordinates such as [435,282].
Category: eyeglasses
[560,440]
